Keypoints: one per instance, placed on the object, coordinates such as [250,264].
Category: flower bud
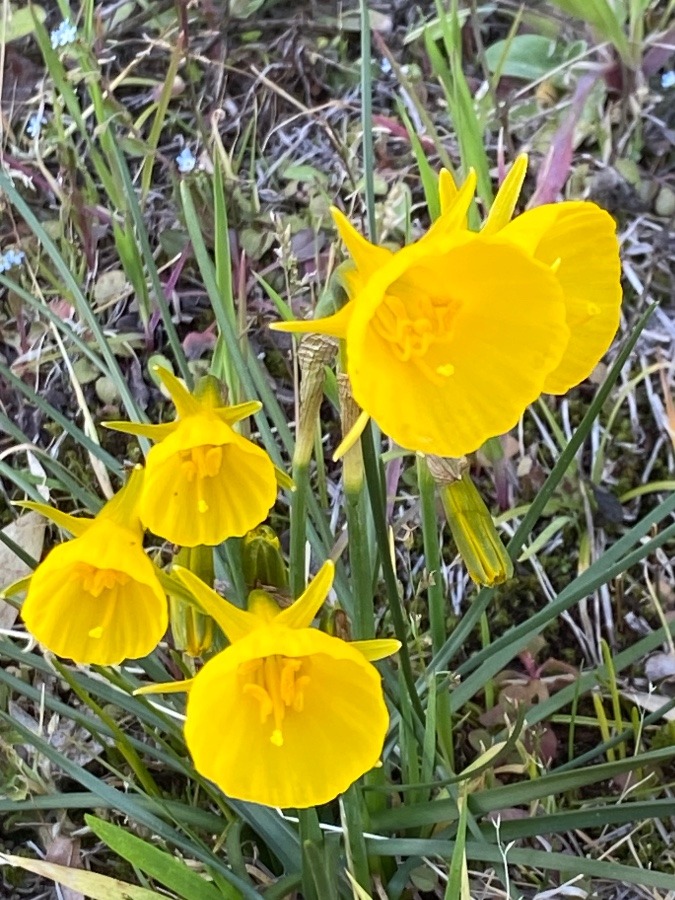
[192,630]
[262,561]
[474,532]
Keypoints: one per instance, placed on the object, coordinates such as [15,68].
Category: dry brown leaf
[65,851]
[28,532]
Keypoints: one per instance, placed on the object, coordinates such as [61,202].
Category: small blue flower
[668,79]
[11,258]
[65,34]
[186,161]
[34,124]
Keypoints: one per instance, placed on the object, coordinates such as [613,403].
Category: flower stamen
[412,329]
[277,684]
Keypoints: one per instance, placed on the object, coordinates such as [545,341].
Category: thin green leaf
[158,864]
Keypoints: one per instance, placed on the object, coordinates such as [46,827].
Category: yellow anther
[446,370]
[95,581]
[96,632]
[202,506]
[189,470]
[213,460]
[263,698]
[201,462]
[276,685]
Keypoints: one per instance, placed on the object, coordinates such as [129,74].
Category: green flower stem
[377,504]
[436,598]
[485,642]
[352,809]
[311,841]
[359,562]
[298,537]
[432,554]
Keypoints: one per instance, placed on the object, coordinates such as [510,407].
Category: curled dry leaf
[28,532]
[650,702]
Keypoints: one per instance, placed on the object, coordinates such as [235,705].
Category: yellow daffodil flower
[449,339]
[286,715]
[97,598]
[203,481]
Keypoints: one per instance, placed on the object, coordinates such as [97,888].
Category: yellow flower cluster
[202,483]
[447,342]
[306,706]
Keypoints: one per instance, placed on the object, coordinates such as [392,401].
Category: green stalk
[432,554]
[298,538]
[359,563]
[311,841]
[377,504]
[121,740]
[436,599]
[351,807]
[367,119]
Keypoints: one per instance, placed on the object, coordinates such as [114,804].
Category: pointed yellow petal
[232,414]
[183,400]
[167,687]
[352,436]
[377,649]
[454,216]
[69,523]
[507,197]
[447,189]
[301,613]
[144,429]
[123,507]
[16,587]
[263,606]
[284,481]
[235,623]
[368,257]
[335,325]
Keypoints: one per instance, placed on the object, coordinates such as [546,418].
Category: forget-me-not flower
[11,258]
[186,161]
[668,79]
[35,122]
[65,34]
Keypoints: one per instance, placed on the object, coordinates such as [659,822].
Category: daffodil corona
[97,598]
[286,715]
[204,482]
[449,339]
